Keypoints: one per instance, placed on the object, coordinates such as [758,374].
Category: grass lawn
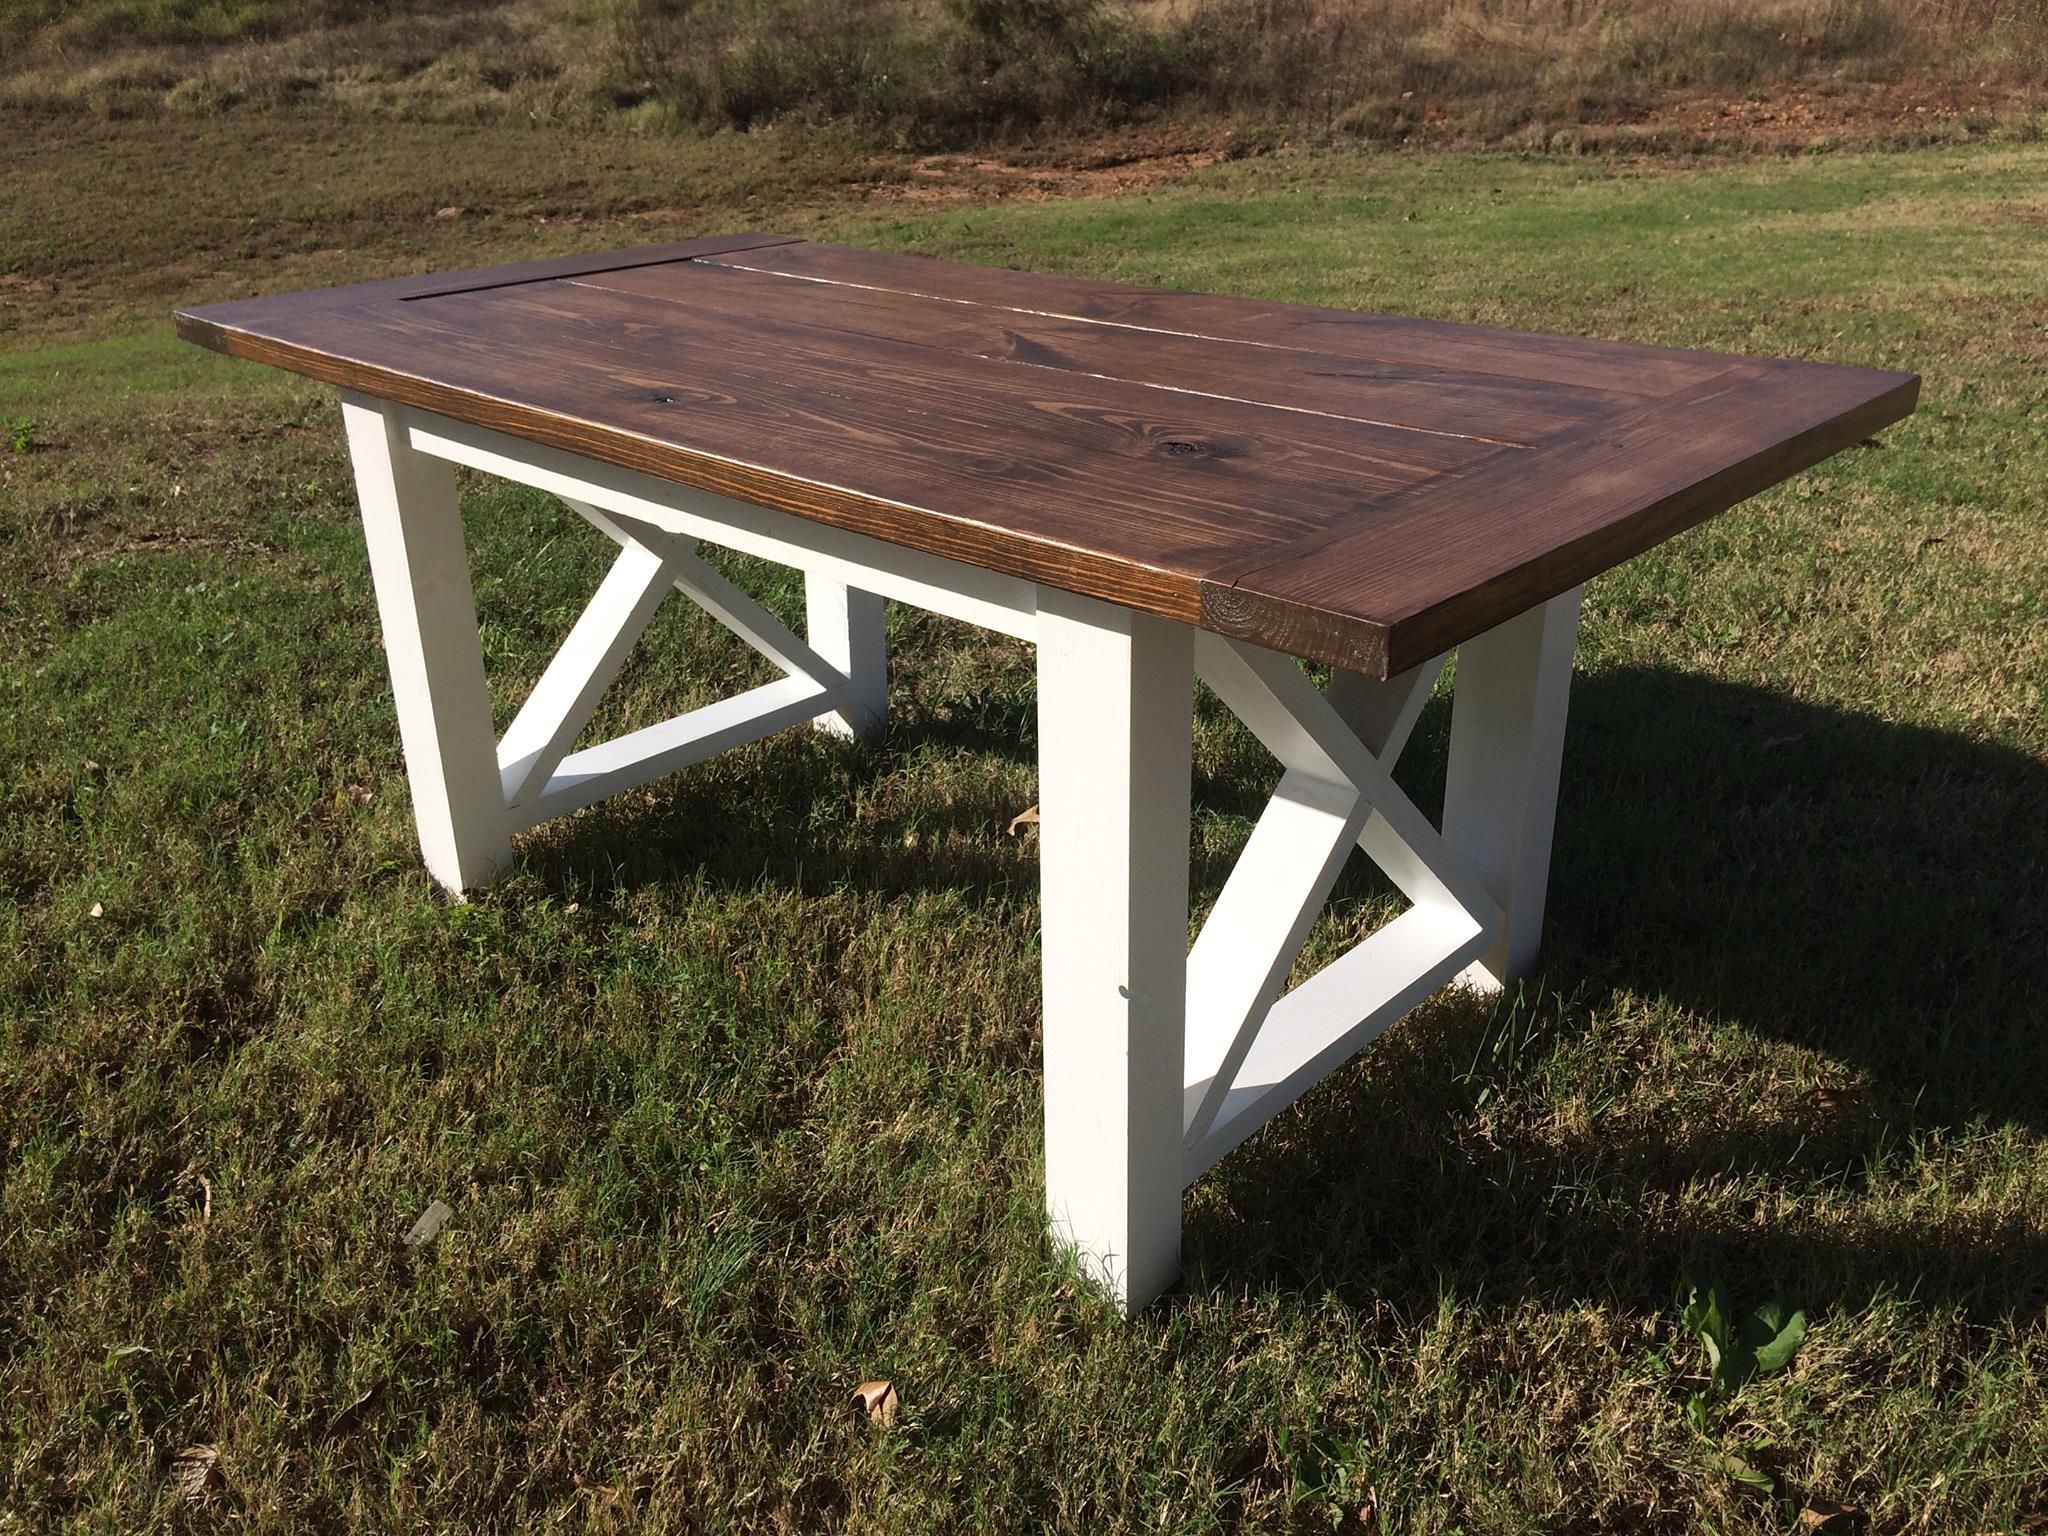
[731,1086]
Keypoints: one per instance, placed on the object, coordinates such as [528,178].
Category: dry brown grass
[941,74]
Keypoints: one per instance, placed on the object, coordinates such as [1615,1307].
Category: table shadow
[772,814]
[783,813]
[1869,890]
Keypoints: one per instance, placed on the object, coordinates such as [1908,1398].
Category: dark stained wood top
[1358,489]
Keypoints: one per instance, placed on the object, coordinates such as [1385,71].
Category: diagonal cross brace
[1337,750]
[696,579]
[566,696]
[1275,699]
[652,561]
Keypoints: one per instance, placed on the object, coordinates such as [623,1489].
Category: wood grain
[1454,558]
[204,324]
[1606,366]
[1487,407]
[1363,490]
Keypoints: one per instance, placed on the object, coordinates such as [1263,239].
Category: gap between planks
[1116,325]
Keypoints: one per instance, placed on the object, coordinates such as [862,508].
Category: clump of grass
[977,70]
[1026,61]
[100,23]
[955,73]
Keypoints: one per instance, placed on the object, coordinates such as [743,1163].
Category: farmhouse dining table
[1153,487]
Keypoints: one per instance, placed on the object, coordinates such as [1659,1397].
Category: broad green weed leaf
[1776,1353]
[1742,1472]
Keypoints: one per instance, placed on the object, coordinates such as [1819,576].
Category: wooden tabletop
[1359,489]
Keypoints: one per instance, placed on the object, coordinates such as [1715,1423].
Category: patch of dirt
[1803,118]
[74,555]
[1797,118]
[951,178]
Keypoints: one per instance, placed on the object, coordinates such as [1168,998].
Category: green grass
[731,1084]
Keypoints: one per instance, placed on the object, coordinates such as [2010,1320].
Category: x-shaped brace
[1245,1042]
[542,778]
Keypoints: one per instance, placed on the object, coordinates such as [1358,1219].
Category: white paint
[1250,1055]
[697,580]
[1500,789]
[568,691]
[599,772]
[1115,710]
[1158,1060]
[848,628]
[1262,916]
[1272,696]
[1250,942]
[1333,1016]
[1383,715]
[412,525]
[1006,604]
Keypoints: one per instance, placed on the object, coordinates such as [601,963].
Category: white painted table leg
[413,527]
[846,627]
[1500,790]
[1115,697]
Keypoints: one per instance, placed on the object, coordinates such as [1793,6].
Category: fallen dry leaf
[1824,1100]
[351,1412]
[1826,1515]
[611,1509]
[197,1471]
[1028,817]
[429,1226]
[877,1399]
[97,911]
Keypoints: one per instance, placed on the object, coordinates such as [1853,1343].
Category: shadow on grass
[785,813]
[1871,891]
[778,814]
[1868,890]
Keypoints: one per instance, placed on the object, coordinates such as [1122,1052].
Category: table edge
[1230,605]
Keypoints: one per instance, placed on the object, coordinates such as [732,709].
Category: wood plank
[652,752]
[1338,496]
[1333,1016]
[1070,480]
[209,325]
[1616,368]
[1453,558]
[1486,406]
[1175,433]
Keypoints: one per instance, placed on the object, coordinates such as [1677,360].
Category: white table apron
[1158,1059]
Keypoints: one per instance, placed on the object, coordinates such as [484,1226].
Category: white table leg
[1500,790]
[1115,703]
[846,627]
[413,527]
